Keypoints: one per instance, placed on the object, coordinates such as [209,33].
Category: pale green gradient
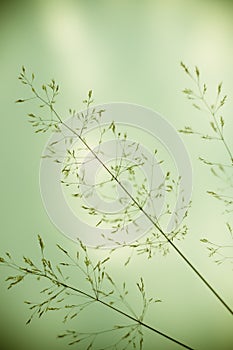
[125,51]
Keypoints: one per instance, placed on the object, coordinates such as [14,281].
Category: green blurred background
[125,51]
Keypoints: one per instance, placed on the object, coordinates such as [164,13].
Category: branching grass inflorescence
[62,295]
[100,287]
[221,170]
[135,201]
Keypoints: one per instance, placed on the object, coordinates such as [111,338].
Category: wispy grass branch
[102,290]
[220,170]
[135,202]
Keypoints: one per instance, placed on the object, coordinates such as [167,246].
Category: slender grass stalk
[61,289]
[217,123]
[222,171]
[50,104]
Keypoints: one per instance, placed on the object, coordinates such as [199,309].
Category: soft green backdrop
[125,51]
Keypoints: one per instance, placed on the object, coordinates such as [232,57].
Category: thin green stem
[212,111]
[118,311]
[93,298]
[135,202]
